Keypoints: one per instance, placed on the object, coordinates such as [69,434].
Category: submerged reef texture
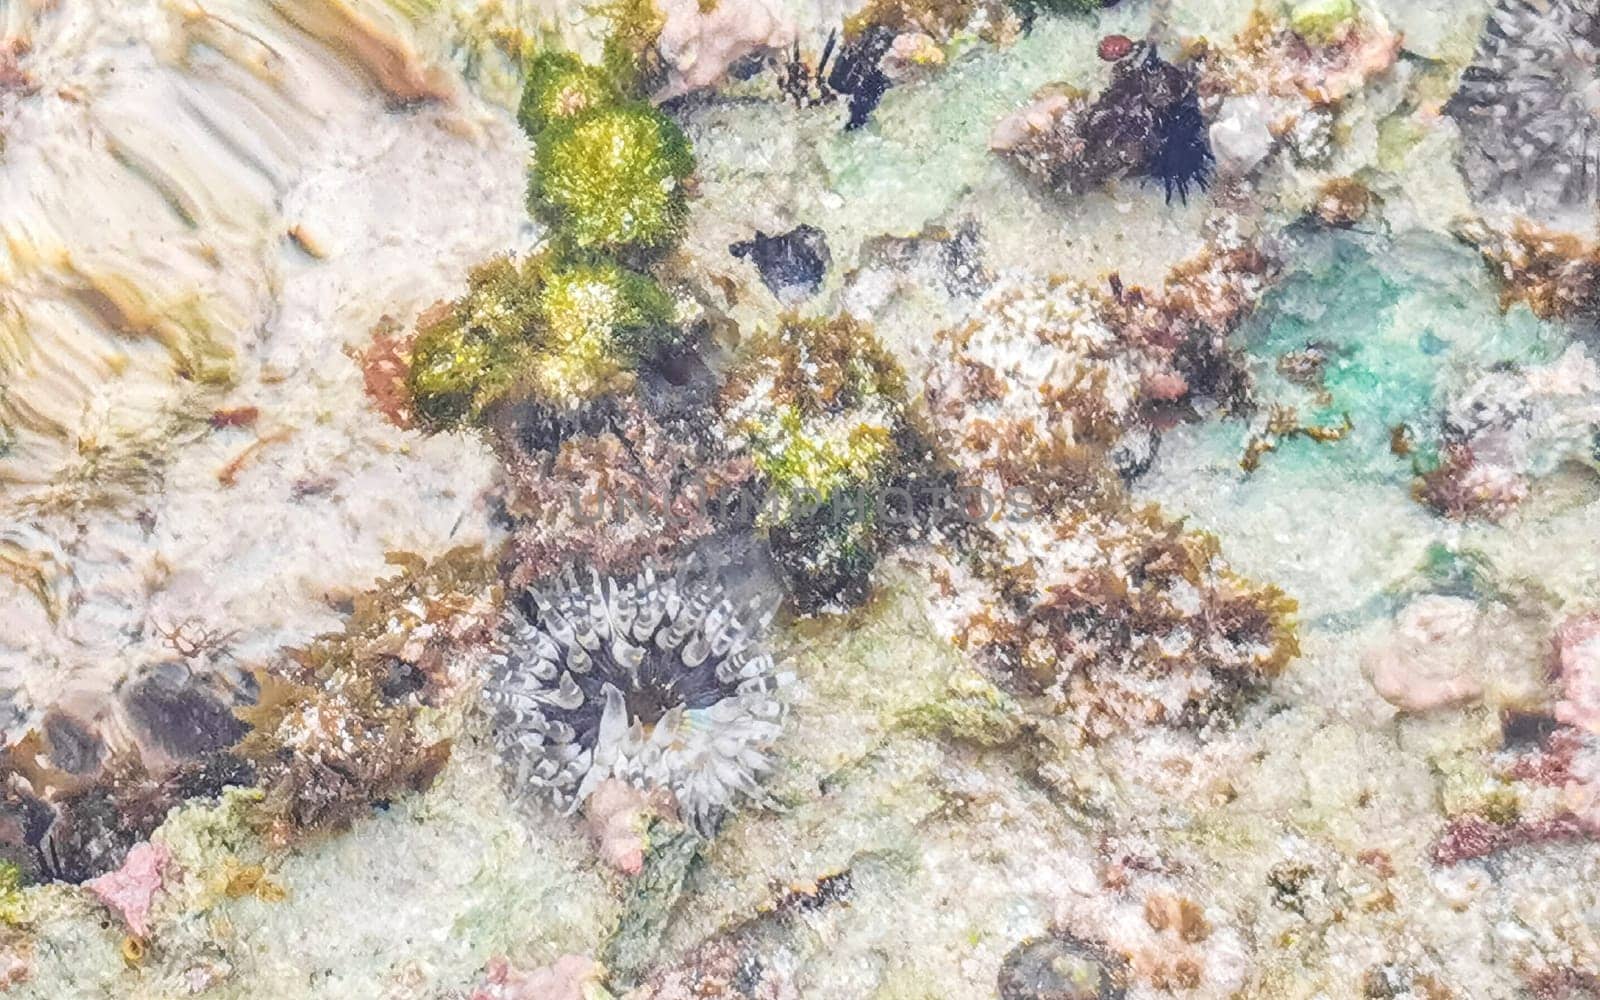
[775,500]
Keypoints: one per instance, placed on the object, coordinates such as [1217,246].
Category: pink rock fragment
[699,42]
[130,889]
[1577,664]
[1427,662]
[616,815]
[564,979]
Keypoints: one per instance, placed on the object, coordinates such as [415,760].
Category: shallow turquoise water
[1403,325]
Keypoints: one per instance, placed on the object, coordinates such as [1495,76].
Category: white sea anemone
[660,683]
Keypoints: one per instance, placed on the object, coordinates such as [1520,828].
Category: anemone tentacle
[658,681]
[1529,105]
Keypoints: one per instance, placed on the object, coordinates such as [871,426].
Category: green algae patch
[597,320]
[555,331]
[651,899]
[13,900]
[613,178]
[561,87]
[821,406]
[1322,21]
[468,356]
[969,710]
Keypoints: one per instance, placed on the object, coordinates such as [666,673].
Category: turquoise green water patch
[1400,326]
[1379,333]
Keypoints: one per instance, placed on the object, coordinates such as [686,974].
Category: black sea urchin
[1147,121]
[1183,154]
[659,682]
[1529,105]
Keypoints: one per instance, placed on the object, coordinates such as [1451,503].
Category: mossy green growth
[821,406]
[559,87]
[613,178]
[598,320]
[813,460]
[558,331]
[1322,21]
[970,710]
[13,902]
[471,356]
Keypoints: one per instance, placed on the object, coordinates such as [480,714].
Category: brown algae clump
[361,715]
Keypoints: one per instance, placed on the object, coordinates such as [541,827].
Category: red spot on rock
[1115,47]
[244,416]
[1475,837]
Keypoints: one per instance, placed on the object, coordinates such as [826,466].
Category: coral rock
[1577,663]
[699,41]
[569,977]
[130,889]
[1429,663]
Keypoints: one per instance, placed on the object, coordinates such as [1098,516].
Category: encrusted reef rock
[1118,613]
[365,714]
[821,408]
[1509,428]
[641,478]
[1146,123]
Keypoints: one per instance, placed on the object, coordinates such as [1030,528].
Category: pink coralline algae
[1427,663]
[1577,663]
[616,816]
[564,979]
[130,889]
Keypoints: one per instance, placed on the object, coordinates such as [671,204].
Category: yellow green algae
[1322,20]
[559,86]
[559,331]
[613,177]
[822,407]
[571,323]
